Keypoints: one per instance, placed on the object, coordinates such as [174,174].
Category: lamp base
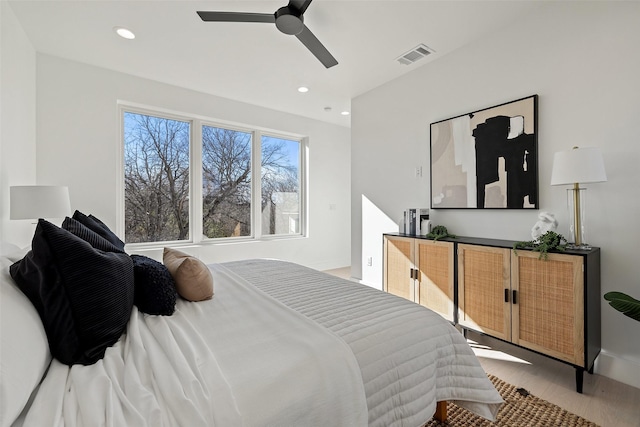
[576,204]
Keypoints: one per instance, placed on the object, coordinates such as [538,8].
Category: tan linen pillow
[193,278]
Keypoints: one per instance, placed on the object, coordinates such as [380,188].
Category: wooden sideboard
[550,306]
[421,271]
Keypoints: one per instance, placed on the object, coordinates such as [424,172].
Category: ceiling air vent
[415,54]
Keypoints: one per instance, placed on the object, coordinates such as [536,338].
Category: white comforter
[410,357]
[240,359]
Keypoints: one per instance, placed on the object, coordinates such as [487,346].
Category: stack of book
[416,221]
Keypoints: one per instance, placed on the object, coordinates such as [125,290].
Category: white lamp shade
[579,165]
[39,201]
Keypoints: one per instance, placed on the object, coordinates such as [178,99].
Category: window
[243,182]
[226,182]
[280,185]
[156,178]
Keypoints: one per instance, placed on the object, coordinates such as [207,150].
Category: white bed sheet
[240,359]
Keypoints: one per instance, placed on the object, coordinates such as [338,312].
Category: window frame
[196,122]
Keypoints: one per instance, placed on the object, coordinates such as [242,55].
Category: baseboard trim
[324,265]
[618,368]
[364,282]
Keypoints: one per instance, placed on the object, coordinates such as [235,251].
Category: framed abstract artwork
[487,159]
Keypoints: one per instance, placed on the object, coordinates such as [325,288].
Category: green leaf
[547,242]
[624,303]
[438,232]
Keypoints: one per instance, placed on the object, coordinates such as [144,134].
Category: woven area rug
[519,410]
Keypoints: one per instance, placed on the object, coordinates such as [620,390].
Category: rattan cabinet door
[484,289]
[548,313]
[398,264]
[434,261]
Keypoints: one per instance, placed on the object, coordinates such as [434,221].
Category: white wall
[17,121]
[583,60]
[78,142]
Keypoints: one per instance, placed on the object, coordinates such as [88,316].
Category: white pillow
[7,248]
[24,351]
[16,255]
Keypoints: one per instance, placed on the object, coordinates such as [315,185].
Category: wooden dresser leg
[579,379]
[441,411]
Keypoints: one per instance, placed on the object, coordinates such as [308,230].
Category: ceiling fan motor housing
[289,20]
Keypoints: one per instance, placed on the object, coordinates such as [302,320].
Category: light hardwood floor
[604,401]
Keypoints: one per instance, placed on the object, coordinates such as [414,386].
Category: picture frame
[486,159]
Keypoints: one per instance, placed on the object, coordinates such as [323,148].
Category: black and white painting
[487,158]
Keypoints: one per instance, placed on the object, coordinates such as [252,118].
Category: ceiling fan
[289,19]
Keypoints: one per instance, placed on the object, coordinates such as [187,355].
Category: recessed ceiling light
[345,113]
[303,89]
[124,33]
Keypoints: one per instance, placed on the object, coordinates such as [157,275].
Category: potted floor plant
[624,304]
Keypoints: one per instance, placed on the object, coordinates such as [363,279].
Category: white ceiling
[254,62]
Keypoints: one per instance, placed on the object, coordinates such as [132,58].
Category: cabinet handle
[515,300]
[506,295]
[411,273]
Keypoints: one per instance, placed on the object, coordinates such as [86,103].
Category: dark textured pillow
[89,236]
[84,296]
[155,289]
[97,226]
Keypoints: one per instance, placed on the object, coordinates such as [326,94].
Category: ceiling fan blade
[301,5]
[313,44]
[237,17]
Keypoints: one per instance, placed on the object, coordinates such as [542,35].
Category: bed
[279,344]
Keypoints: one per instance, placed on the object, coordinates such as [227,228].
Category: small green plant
[624,304]
[439,232]
[549,241]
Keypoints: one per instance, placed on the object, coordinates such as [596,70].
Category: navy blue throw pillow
[83,295]
[99,227]
[89,236]
[155,289]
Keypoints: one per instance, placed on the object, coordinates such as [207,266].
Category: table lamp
[574,167]
[39,201]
